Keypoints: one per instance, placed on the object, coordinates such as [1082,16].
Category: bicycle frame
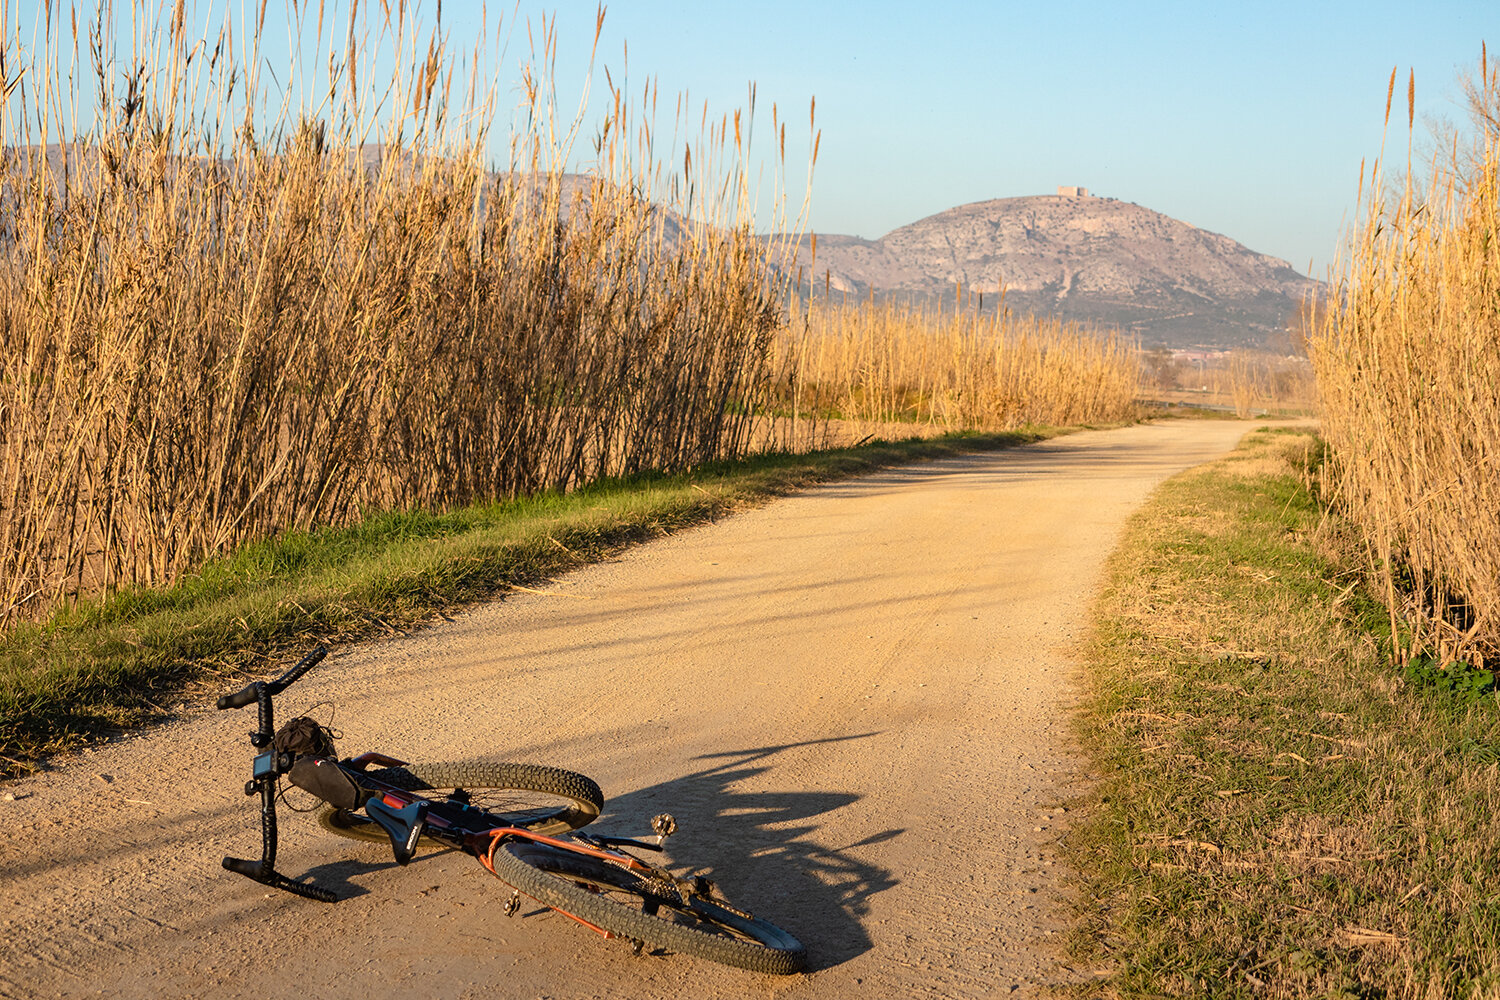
[589,878]
[482,844]
[442,819]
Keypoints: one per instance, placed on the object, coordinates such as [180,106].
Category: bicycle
[521,821]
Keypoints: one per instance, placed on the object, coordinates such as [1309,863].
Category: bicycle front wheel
[542,799]
[640,907]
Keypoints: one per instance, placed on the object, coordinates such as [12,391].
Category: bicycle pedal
[513,904]
[663,825]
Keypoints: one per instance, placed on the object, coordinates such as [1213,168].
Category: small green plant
[1460,678]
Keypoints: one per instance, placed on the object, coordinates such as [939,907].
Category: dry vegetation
[1408,365]
[219,327]
[881,363]
[1258,381]
[1251,383]
[230,316]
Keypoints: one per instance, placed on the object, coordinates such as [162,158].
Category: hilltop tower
[1072,192]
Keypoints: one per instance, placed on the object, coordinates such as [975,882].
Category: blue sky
[1246,119]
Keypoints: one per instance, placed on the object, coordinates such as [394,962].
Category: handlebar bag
[303,735]
[315,768]
[324,778]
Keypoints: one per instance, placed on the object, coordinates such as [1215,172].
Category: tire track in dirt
[855,700]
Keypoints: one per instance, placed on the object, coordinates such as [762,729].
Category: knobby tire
[616,900]
[551,800]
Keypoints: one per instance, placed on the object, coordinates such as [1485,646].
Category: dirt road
[854,700]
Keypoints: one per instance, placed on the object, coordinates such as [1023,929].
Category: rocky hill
[1085,258]
[1091,259]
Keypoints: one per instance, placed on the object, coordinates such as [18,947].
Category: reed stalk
[1408,367]
[225,315]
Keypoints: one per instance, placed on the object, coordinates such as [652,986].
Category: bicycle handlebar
[267,769]
[239,699]
[251,692]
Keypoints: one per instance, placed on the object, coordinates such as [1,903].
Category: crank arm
[599,840]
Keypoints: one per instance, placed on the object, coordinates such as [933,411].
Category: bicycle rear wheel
[641,907]
[531,796]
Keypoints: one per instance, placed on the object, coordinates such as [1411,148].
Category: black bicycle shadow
[761,848]
[339,876]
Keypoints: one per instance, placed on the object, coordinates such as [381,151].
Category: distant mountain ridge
[1091,259]
[1083,258]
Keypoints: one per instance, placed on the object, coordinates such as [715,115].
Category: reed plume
[223,319]
[1408,367]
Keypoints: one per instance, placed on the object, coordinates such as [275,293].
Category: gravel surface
[855,701]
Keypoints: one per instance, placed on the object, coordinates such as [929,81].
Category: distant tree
[1292,338]
[1161,367]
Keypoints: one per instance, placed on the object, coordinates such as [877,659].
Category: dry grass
[226,320]
[879,363]
[1408,365]
[1278,814]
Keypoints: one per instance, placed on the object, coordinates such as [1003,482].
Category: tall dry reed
[221,317]
[226,314]
[881,363]
[1408,366]
[1260,382]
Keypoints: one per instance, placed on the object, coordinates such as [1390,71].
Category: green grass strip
[108,664]
[1280,811]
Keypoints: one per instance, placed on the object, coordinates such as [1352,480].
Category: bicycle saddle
[404,826]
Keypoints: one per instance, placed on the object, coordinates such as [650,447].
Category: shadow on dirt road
[762,849]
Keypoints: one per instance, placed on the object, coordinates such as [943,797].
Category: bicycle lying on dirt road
[520,820]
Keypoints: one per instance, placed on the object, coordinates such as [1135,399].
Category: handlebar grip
[303,666]
[249,869]
[240,698]
[260,872]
